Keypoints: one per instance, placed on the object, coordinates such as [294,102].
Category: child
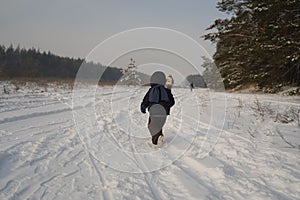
[159,101]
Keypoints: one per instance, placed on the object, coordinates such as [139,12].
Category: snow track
[43,156]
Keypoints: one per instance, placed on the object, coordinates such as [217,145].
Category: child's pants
[156,121]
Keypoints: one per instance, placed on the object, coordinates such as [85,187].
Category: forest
[258,43]
[33,64]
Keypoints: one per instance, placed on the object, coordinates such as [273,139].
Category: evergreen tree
[212,75]
[32,63]
[260,42]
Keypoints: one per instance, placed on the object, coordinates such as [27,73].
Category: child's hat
[158,77]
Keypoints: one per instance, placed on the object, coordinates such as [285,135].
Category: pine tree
[31,63]
[260,42]
[212,75]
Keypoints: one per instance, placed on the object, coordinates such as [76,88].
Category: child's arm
[145,103]
[171,98]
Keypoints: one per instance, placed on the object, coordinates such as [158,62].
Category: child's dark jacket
[166,104]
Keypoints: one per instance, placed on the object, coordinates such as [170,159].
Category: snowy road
[50,149]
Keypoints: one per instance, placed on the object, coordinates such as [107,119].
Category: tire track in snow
[34,115]
[9,189]
[155,192]
[105,191]
[101,180]
[100,177]
[39,159]
[153,188]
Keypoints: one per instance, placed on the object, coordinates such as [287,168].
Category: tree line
[258,43]
[31,63]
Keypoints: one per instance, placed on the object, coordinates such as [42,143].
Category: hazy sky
[74,27]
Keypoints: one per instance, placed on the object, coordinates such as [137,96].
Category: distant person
[159,101]
[192,86]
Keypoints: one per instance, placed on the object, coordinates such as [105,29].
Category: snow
[93,143]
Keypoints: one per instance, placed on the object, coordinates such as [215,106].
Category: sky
[74,27]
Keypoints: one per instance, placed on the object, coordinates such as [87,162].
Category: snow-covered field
[94,144]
